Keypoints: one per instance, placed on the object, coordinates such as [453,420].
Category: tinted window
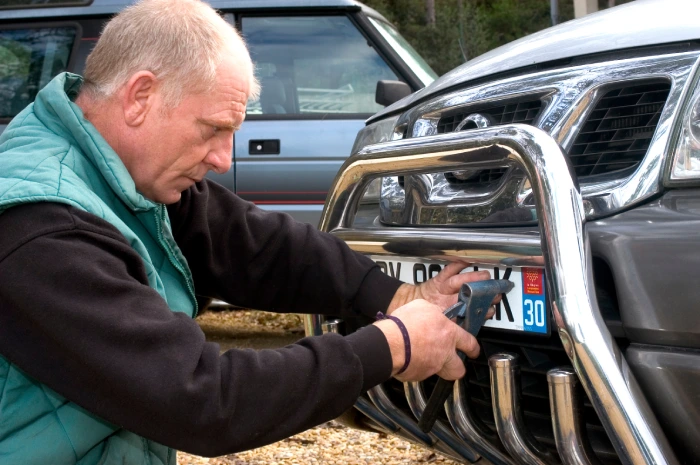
[313,65]
[29,59]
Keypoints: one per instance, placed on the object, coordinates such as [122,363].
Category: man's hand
[434,342]
[441,290]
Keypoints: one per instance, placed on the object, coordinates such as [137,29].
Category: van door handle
[264,147]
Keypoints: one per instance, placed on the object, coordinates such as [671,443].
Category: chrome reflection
[475,120]
[468,427]
[381,400]
[368,408]
[505,394]
[602,369]
[567,418]
[483,246]
[449,442]
[433,199]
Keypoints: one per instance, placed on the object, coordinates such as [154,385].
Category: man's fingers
[453,268]
[452,369]
[491,312]
[457,280]
[468,344]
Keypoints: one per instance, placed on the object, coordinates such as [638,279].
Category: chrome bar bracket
[567,420]
[505,395]
[370,411]
[463,422]
[381,400]
[448,442]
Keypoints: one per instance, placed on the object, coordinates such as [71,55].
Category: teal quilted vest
[50,153]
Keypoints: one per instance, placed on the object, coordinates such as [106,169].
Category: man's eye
[213,131]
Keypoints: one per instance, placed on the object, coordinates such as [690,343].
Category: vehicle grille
[524,111]
[537,356]
[617,133]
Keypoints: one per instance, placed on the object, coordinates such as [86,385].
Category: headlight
[686,159]
[379,131]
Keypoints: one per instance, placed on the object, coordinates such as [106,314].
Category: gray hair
[182,42]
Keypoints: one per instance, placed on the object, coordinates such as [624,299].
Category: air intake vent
[618,132]
[524,111]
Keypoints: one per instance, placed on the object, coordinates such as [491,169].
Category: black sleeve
[265,260]
[76,314]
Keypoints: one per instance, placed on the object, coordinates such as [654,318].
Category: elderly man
[100,359]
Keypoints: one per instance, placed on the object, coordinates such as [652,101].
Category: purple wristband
[406,340]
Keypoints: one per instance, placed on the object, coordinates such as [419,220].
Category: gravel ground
[327,444]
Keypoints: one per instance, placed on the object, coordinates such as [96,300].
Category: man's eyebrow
[222,123]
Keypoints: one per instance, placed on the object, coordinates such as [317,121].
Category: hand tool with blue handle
[470,313]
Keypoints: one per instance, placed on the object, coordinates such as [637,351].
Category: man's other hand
[442,290]
[434,341]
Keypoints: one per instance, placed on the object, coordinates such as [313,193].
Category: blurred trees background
[449,32]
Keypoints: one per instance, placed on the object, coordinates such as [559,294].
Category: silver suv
[569,163]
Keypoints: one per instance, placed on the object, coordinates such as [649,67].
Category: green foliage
[14,59]
[465,29]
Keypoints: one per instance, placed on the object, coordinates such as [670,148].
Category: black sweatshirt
[77,314]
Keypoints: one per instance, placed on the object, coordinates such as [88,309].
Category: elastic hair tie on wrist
[406,339]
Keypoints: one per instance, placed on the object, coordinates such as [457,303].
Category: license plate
[523,309]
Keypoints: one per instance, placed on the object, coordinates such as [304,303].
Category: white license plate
[523,309]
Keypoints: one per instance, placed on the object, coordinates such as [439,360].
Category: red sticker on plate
[532,281]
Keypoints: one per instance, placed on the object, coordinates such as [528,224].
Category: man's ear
[138,97]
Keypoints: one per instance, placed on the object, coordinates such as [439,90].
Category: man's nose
[219,157]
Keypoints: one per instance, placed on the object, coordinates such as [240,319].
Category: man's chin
[173,197]
[166,198]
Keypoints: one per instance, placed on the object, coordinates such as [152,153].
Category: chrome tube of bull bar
[461,420]
[505,395]
[567,420]
[603,371]
[448,443]
[368,408]
[381,400]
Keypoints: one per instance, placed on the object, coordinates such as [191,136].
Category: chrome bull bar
[562,248]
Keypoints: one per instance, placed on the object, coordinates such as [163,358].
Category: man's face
[181,145]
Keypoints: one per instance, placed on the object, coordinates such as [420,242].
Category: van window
[315,65]
[29,59]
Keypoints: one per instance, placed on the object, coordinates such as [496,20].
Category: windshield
[405,51]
